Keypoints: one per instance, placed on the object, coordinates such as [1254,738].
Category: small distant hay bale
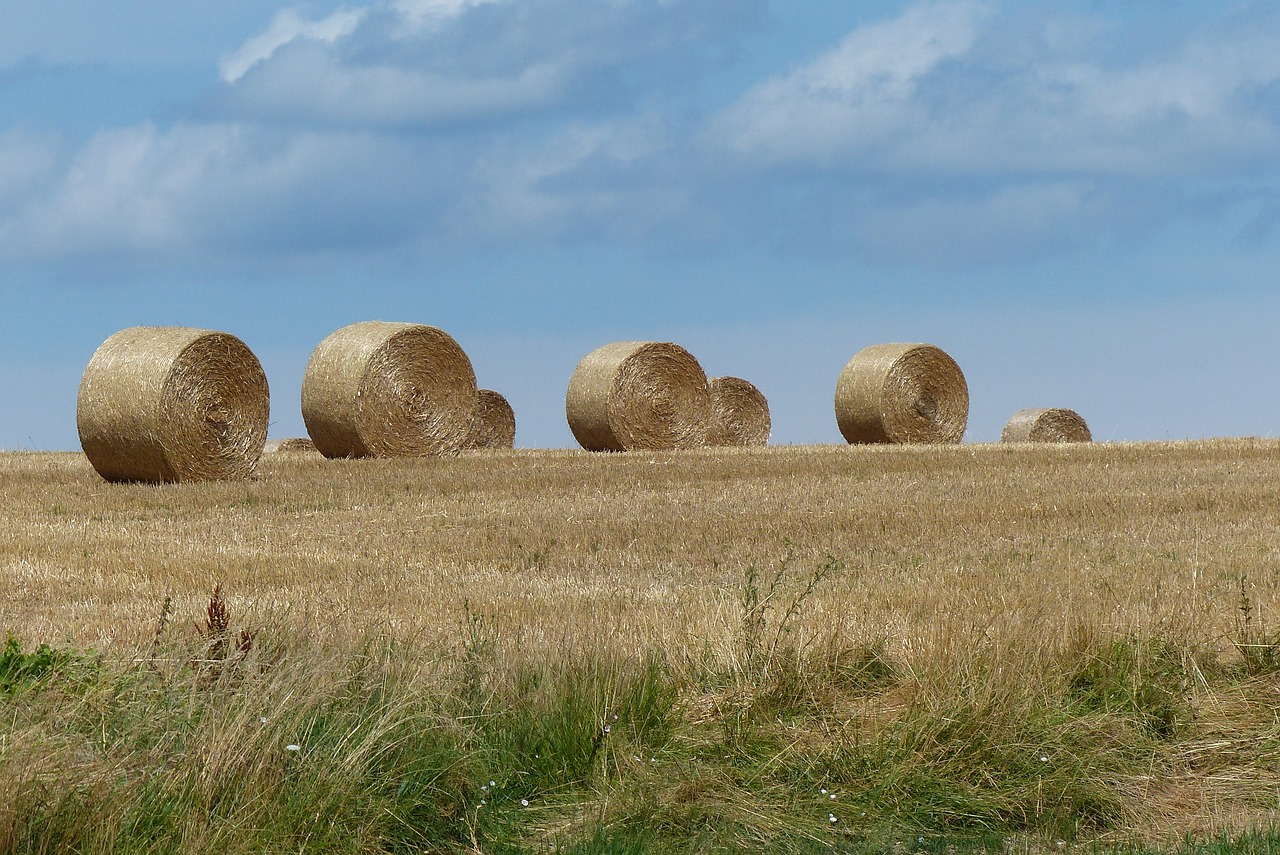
[292,445]
[163,404]
[739,413]
[901,393]
[639,395]
[379,389]
[1048,424]
[494,423]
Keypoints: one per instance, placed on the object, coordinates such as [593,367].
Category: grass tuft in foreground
[236,742]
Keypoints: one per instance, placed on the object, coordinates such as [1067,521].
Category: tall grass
[294,744]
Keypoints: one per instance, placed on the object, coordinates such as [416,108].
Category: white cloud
[309,84]
[956,134]
[227,192]
[420,14]
[120,192]
[949,88]
[286,27]
[574,182]
[950,134]
[859,93]
[410,63]
[396,72]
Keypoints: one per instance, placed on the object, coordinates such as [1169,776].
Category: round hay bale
[1048,424]
[378,389]
[899,393]
[163,404]
[739,413]
[494,424]
[292,445]
[639,395]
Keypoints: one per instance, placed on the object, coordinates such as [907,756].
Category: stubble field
[1129,592]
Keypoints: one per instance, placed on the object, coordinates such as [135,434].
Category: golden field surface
[1019,546]
[985,573]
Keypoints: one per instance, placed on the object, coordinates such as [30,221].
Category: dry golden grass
[942,546]
[953,556]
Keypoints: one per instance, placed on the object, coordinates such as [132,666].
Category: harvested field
[1105,537]
[1109,611]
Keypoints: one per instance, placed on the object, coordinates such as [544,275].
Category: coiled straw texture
[494,423]
[1049,424]
[900,393]
[639,395]
[739,413]
[292,445]
[380,389]
[159,404]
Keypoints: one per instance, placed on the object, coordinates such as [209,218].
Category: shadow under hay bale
[379,389]
[639,395]
[159,404]
[739,413]
[494,423]
[901,393]
[1048,424]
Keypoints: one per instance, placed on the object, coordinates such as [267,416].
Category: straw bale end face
[163,404]
[902,393]
[494,422]
[739,413]
[1049,424]
[378,389]
[639,395]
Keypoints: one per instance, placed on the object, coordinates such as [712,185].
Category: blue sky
[1079,201]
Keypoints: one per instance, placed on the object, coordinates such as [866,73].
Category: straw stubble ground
[1012,543]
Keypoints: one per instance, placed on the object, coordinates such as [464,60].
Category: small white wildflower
[292,747]
[831,817]
[832,797]
[823,791]
[262,719]
[484,787]
[1044,758]
[606,728]
[524,803]
[492,784]
[919,840]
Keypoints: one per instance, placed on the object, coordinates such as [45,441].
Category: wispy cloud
[864,92]
[412,63]
[286,27]
[950,133]
[956,88]
[958,133]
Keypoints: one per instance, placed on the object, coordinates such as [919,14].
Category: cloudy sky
[1079,201]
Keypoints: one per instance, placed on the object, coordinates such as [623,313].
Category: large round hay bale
[739,413]
[173,404]
[1047,424]
[494,423]
[898,393]
[378,389]
[639,395]
[292,445]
